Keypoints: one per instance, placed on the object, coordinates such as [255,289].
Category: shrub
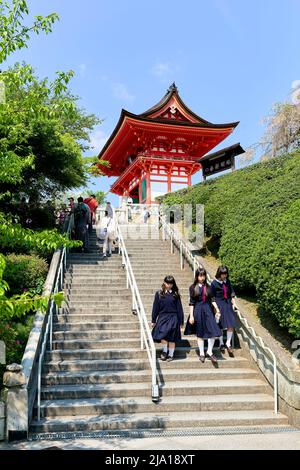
[15,336]
[25,273]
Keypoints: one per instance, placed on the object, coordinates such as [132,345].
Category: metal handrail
[137,306]
[49,326]
[176,237]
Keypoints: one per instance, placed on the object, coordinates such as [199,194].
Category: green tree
[14,34]
[43,133]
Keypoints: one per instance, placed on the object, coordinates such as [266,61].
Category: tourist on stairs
[107,233]
[202,321]
[167,318]
[224,295]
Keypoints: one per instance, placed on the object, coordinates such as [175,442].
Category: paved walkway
[274,441]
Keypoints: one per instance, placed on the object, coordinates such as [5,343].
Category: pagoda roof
[170,116]
[172,94]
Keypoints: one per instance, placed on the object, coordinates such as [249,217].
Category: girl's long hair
[222,270]
[175,290]
[196,290]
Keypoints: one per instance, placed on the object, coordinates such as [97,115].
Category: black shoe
[202,358]
[230,351]
[164,356]
[213,358]
[170,358]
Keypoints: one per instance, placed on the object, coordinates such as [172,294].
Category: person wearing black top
[224,295]
[202,320]
[167,317]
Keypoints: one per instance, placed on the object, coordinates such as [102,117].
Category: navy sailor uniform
[223,293]
[205,325]
[168,315]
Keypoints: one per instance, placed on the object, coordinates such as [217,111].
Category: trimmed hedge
[255,213]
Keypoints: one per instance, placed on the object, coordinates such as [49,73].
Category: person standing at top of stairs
[224,295]
[202,321]
[91,201]
[107,233]
[167,317]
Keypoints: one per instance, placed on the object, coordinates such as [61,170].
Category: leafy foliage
[14,33]
[18,306]
[13,237]
[42,135]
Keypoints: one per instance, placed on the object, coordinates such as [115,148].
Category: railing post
[61,276]
[127,278]
[275,385]
[51,324]
[65,259]
[39,390]
[181,256]
[194,265]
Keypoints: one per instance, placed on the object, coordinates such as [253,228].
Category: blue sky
[231,59]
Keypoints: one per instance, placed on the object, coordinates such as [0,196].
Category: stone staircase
[97,378]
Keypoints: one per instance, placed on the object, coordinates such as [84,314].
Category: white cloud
[98,140]
[161,69]
[121,92]
[165,71]
[82,70]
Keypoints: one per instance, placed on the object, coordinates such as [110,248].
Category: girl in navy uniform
[224,295]
[202,320]
[167,317]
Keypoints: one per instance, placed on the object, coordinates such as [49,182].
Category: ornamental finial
[173,87]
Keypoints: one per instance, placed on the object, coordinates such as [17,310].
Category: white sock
[211,342]
[221,340]
[201,346]
[165,349]
[171,352]
[229,336]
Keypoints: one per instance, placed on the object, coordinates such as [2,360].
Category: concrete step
[104,283]
[121,340]
[93,406]
[99,296]
[97,267]
[101,278]
[115,353]
[97,344]
[163,421]
[95,326]
[111,304]
[191,391]
[86,309]
[166,375]
[139,363]
[97,317]
[89,354]
[96,335]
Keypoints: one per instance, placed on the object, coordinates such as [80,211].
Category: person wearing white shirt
[107,229]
